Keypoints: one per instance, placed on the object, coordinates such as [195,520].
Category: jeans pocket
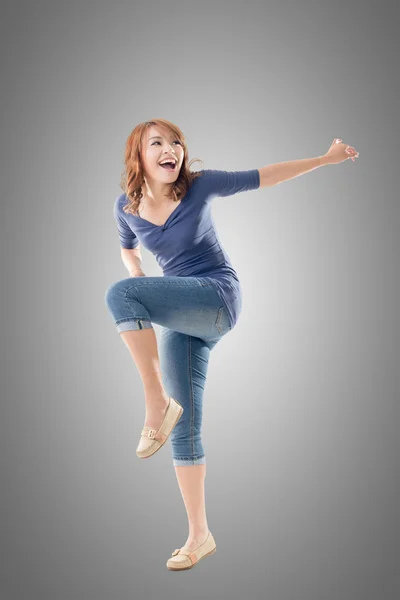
[222,321]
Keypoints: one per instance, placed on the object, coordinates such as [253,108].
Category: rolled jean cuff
[183,462]
[130,324]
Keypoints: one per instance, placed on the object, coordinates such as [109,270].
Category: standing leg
[191,483]
[184,363]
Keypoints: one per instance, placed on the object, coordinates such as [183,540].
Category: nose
[170,151]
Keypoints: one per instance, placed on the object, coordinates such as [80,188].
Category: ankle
[156,401]
[198,532]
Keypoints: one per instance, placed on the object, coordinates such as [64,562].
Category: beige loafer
[182,559]
[151,440]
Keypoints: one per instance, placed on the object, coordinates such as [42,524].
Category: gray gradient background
[301,406]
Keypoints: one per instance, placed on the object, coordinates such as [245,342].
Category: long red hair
[132,177]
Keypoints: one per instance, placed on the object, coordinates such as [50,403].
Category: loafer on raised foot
[151,440]
[182,559]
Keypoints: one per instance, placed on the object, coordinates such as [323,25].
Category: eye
[159,142]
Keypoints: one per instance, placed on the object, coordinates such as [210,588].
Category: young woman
[167,208]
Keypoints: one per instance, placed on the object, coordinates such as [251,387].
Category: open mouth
[169,166]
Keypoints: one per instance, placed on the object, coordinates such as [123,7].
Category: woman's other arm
[132,260]
[279,172]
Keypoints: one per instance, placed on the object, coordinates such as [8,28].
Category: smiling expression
[159,145]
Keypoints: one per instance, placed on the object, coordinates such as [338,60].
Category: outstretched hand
[339,152]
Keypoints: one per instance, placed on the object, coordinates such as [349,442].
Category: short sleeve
[228,183]
[127,237]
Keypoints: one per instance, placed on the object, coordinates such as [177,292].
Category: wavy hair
[132,177]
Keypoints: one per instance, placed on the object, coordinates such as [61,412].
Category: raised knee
[109,293]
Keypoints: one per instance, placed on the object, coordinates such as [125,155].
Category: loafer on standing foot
[151,440]
[182,559]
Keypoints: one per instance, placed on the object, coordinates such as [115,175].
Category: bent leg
[189,305]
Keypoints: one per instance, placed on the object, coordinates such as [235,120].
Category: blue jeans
[193,319]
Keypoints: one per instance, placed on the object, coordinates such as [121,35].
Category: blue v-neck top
[187,244]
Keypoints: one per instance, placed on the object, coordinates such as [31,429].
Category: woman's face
[157,147]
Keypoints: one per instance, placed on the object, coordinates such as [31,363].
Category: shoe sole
[166,439]
[191,566]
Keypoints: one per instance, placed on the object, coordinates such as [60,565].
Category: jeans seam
[126,295]
[219,318]
[185,283]
[191,395]
[139,300]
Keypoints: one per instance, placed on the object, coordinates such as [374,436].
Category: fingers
[352,152]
